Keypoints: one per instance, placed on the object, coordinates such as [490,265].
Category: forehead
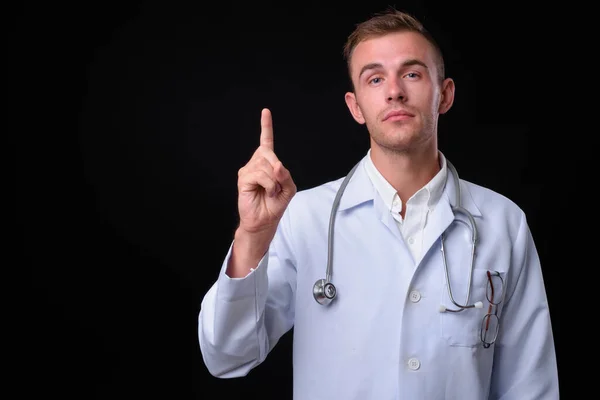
[392,49]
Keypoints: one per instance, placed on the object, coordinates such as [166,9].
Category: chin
[393,145]
[399,137]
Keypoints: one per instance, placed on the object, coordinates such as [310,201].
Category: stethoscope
[324,291]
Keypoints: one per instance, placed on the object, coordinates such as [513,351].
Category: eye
[375,81]
[412,75]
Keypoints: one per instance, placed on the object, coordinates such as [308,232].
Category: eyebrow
[407,63]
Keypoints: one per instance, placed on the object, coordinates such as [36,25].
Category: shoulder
[496,207]
[315,197]
[489,198]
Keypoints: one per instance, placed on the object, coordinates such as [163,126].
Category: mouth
[397,115]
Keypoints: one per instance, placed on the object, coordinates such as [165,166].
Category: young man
[384,323]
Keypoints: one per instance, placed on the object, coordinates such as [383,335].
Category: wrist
[248,249]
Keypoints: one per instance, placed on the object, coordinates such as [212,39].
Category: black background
[131,122]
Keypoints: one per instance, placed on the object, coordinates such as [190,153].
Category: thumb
[283,176]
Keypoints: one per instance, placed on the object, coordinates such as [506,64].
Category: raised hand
[265,186]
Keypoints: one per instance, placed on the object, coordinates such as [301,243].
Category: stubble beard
[404,139]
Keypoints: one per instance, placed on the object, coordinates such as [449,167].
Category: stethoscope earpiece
[477,304]
[324,292]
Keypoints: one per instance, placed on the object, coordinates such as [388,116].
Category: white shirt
[383,337]
[418,207]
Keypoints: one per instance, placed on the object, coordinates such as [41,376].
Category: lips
[397,115]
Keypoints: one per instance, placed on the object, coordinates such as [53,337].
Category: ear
[354,107]
[447,96]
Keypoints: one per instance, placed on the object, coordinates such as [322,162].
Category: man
[389,326]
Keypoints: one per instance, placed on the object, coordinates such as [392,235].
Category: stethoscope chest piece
[324,292]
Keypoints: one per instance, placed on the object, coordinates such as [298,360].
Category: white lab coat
[383,338]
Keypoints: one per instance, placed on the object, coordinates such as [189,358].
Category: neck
[406,171]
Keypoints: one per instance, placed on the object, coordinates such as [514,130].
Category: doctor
[379,310]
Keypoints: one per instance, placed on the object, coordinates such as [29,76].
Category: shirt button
[411,240]
[414,364]
[415,296]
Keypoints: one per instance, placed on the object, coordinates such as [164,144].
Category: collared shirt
[418,207]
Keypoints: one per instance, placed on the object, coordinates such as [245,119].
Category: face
[398,93]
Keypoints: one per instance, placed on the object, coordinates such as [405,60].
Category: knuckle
[264,163]
[264,176]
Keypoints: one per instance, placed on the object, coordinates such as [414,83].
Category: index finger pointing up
[266,131]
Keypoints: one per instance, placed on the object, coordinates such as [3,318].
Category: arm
[525,360]
[241,319]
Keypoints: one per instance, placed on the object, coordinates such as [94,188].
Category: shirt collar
[360,190]
[428,195]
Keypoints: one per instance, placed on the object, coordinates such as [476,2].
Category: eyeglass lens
[490,323]
[494,289]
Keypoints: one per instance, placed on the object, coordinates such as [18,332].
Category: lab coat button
[414,364]
[415,296]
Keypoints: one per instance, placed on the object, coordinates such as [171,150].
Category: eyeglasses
[490,323]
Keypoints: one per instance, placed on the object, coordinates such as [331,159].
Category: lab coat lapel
[442,215]
[438,221]
[358,191]
[386,218]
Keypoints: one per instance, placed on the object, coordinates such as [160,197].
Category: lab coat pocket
[464,328]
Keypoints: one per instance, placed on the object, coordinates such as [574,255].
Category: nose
[396,91]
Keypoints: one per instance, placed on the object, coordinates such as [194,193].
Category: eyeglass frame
[486,318]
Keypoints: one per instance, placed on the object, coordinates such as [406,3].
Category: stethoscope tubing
[319,291]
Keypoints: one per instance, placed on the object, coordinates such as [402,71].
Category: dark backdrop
[132,122]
